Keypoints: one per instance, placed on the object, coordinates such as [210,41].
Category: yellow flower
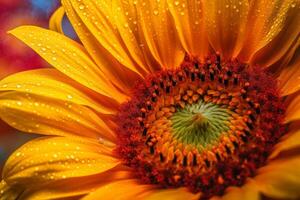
[161,99]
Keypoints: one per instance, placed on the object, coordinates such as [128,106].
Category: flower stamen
[193,126]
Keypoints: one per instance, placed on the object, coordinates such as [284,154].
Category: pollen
[205,125]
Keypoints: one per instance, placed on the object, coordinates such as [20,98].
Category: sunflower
[160,99]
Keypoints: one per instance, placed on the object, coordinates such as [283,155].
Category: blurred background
[15,56]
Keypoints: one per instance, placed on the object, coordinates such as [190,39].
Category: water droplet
[81,6]
[176,3]
[155,12]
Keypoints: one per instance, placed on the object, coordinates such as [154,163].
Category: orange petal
[55,22]
[189,20]
[271,30]
[132,189]
[121,76]
[48,159]
[248,191]
[74,188]
[55,85]
[289,79]
[293,110]
[158,29]
[280,179]
[286,60]
[126,21]
[171,194]
[38,114]
[69,57]
[120,190]
[98,17]
[225,22]
[7,192]
[288,142]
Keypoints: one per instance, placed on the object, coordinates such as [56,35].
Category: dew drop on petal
[81,6]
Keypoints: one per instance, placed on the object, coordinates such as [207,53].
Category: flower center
[200,124]
[205,126]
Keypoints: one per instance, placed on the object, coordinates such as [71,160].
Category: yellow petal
[158,29]
[69,57]
[120,190]
[7,192]
[171,194]
[271,30]
[132,189]
[280,179]
[189,19]
[288,142]
[74,188]
[53,84]
[289,79]
[293,109]
[120,75]
[98,17]
[48,116]
[55,22]
[248,191]
[126,21]
[225,22]
[48,159]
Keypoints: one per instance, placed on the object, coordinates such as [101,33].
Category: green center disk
[200,124]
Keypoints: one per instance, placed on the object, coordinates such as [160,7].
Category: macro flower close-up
[158,99]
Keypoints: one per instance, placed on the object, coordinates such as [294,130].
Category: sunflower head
[204,125]
[163,99]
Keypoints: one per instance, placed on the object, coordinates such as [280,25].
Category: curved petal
[248,191]
[7,192]
[48,116]
[286,60]
[293,110]
[189,19]
[121,76]
[48,159]
[55,22]
[280,179]
[159,31]
[272,28]
[126,21]
[288,142]
[69,57]
[55,85]
[225,22]
[120,190]
[98,17]
[132,189]
[171,194]
[75,188]
[289,79]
